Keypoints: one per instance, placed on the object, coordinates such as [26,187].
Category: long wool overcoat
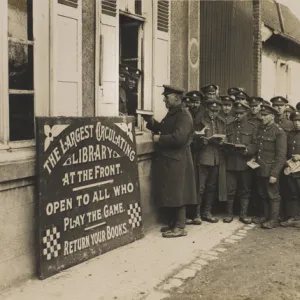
[174,179]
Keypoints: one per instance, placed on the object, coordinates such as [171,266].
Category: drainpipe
[257,47]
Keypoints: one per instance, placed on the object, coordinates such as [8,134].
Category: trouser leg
[261,189]
[274,205]
[210,188]
[180,217]
[245,184]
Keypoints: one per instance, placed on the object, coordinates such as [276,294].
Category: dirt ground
[265,265]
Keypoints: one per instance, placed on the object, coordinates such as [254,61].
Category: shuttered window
[138,7]
[163,15]
[71,3]
[109,7]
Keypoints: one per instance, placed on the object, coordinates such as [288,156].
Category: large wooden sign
[88,189]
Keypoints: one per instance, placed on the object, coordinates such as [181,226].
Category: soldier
[271,156]
[279,103]
[289,109]
[210,91]
[123,88]
[241,97]
[209,159]
[133,80]
[254,115]
[173,167]
[226,112]
[234,90]
[293,152]
[238,175]
[192,101]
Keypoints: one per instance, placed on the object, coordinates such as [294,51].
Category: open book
[217,138]
[292,167]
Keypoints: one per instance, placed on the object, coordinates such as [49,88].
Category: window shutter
[163,15]
[109,7]
[66,58]
[108,93]
[161,55]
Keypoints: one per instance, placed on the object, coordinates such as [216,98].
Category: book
[292,167]
[253,164]
[240,147]
[201,132]
[144,112]
[228,146]
[216,138]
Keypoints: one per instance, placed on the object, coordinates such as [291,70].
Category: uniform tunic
[239,175]
[174,176]
[227,118]
[256,119]
[271,156]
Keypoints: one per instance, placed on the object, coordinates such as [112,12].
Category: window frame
[41,78]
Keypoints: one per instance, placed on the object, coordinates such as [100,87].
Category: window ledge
[144,143]
[17,164]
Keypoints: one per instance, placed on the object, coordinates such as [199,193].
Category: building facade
[254,45]
[62,58]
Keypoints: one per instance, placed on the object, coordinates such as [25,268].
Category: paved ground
[146,269]
[263,265]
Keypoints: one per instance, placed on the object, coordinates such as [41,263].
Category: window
[20,70]
[283,79]
[131,60]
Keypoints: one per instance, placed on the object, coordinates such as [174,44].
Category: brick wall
[257,47]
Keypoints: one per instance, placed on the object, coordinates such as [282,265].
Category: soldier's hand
[204,140]
[155,138]
[147,118]
[296,157]
[272,179]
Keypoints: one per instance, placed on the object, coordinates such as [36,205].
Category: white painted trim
[4,117]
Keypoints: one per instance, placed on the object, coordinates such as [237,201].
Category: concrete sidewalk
[130,272]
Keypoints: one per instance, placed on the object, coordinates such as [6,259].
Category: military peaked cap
[135,73]
[267,110]
[295,116]
[190,99]
[290,108]
[124,69]
[278,100]
[194,94]
[213,104]
[171,89]
[209,88]
[253,101]
[234,90]
[241,95]
[240,107]
[227,99]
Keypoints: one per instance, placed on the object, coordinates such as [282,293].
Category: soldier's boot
[293,207]
[175,232]
[229,217]
[197,219]
[208,217]
[179,228]
[188,221]
[170,214]
[274,216]
[244,209]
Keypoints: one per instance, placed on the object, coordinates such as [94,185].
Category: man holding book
[239,148]
[173,166]
[271,156]
[208,158]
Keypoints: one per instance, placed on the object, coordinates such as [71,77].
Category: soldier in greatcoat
[239,176]
[173,167]
[209,160]
[271,156]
